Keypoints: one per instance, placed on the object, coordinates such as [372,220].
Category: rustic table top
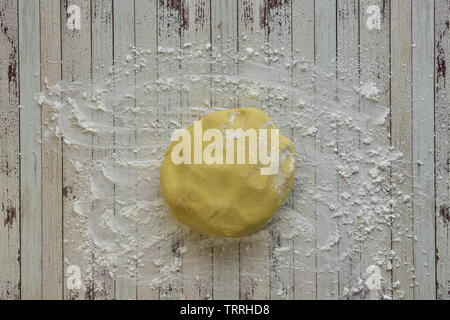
[50,243]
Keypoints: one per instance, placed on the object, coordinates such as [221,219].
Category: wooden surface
[406,57]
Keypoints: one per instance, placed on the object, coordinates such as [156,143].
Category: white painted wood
[76,66]
[281,248]
[52,216]
[124,42]
[102,61]
[254,255]
[442,155]
[401,131]
[224,32]
[197,260]
[146,39]
[9,155]
[375,68]
[242,269]
[326,175]
[304,188]
[30,150]
[348,75]
[423,148]
[171,19]
[224,39]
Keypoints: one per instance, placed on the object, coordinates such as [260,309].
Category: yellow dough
[231,200]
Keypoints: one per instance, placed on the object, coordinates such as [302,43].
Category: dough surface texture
[231,200]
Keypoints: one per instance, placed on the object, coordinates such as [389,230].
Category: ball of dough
[230,200]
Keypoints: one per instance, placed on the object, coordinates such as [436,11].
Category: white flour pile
[115,133]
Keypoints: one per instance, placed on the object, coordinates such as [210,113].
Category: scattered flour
[115,137]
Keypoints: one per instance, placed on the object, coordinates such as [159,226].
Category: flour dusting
[115,133]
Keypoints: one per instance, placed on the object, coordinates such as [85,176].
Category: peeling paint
[90,291]
[12,69]
[444,212]
[384,6]
[267,8]
[440,58]
[200,14]
[441,65]
[248,14]
[181,9]
[10,216]
[12,64]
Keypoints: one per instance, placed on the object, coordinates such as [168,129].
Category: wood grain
[326,175]
[52,216]
[30,151]
[172,18]
[197,261]
[124,44]
[254,255]
[348,75]
[401,130]
[148,190]
[102,61]
[442,151]
[76,66]
[374,51]
[10,153]
[423,148]
[304,187]
[42,233]
[281,248]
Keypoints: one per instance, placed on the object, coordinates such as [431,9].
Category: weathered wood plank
[348,75]
[224,39]
[10,153]
[124,43]
[102,61]
[224,31]
[375,68]
[442,152]
[240,269]
[76,66]
[30,150]
[304,188]
[401,130]
[326,175]
[172,18]
[254,254]
[148,190]
[279,39]
[197,260]
[52,217]
[423,148]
